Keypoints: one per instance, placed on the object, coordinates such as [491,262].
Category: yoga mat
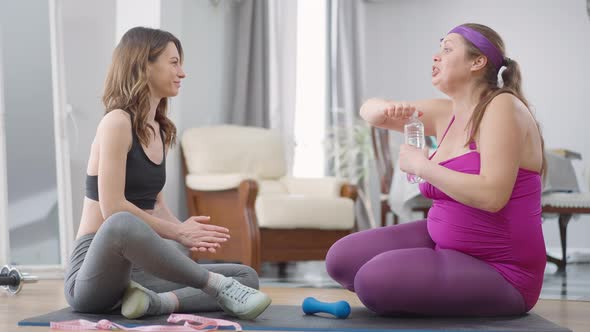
[292,318]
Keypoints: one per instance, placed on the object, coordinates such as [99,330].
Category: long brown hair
[126,85]
[511,79]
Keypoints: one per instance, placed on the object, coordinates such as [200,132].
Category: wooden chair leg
[384,211]
[564,219]
[282,270]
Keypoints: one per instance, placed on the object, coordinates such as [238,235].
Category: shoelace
[238,292]
[204,324]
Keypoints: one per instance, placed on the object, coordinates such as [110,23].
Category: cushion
[325,187]
[234,149]
[272,187]
[213,182]
[289,211]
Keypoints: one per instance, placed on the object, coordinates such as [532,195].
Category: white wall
[133,13]
[28,107]
[30,150]
[550,39]
[88,40]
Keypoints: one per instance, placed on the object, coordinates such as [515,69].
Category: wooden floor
[47,295]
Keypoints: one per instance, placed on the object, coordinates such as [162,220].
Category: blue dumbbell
[340,309]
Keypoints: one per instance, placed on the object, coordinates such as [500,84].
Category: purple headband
[482,43]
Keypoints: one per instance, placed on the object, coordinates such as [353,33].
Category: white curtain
[347,92]
[264,75]
[251,78]
[282,26]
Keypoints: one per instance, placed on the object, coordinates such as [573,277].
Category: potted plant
[349,152]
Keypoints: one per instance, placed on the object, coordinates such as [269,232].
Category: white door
[32,177]
[4,243]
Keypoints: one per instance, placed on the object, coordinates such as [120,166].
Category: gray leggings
[126,248]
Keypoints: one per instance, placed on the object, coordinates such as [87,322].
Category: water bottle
[414,133]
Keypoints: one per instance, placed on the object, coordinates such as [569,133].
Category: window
[311,91]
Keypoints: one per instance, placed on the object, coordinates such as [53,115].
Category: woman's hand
[398,110]
[378,112]
[201,237]
[412,160]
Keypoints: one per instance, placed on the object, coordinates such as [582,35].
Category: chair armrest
[247,192]
[233,209]
[216,182]
[349,191]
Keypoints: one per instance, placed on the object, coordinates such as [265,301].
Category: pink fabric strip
[203,324]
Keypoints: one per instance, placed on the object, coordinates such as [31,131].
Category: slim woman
[131,251]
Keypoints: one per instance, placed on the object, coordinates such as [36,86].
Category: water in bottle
[414,132]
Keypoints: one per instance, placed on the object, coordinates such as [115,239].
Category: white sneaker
[136,301]
[242,301]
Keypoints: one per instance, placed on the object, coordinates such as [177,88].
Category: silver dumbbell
[12,280]
[4,271]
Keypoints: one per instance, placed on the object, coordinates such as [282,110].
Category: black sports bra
[144,179]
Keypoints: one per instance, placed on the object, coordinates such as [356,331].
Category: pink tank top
[510,240]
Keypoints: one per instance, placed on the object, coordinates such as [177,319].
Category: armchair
[237,176]
[564,196]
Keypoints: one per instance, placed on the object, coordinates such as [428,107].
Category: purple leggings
[398,269]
